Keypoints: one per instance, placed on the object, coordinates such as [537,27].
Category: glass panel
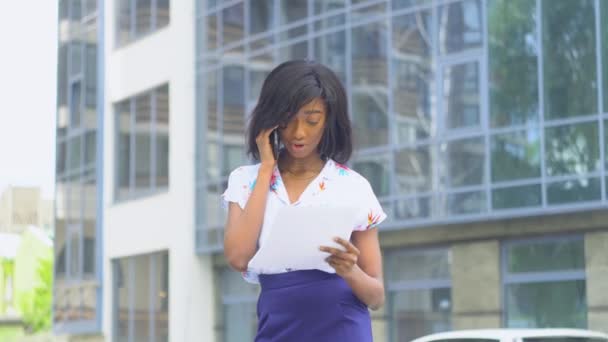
[292,11]
[256,80]
[141,320]
[143,17]
[330,50]
[142,142]
[512,56]
[123,149]
[212,32]
[234,286]
[123,27]
[467,203]
[161,302]
[517,197]
[375,168]
[212,162]
[515,155]
[62,88]
[572,149]
[90,224]
[261,16]
[324,6]
[123,289]
[90,147]
[75,153]
[412,208]
[604,43]
[413,79]
[90,84]
[460,26]
[366,12]
[466,162]
[416,313]
[75,8]
[76,104]
[570,86]
[162,137]
[575,190]
[369,89]
[213,201]
[536,256]
[233,118]
[91,7]
[61,158]
[461,99]
[241,321]
[293,51]
[413,170]
[545,305]
[162,13]
[424,264]
[397,4]
[233,21]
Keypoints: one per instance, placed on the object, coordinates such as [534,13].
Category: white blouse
[335,184]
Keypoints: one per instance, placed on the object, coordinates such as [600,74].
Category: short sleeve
[371,213]
[237,189]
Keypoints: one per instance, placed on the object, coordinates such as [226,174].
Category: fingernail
[337,239]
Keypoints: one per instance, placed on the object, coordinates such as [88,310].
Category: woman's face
[303,133]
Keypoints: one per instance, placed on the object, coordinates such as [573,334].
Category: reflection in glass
[575,190]
[466,162]
[162,136]
[330,50]
[142,286]
[414,208]
[424,264]
[324,6]
[512,56]
[239,304]
[547,305]
[515,155]
[604,42]
[143,132]
[143,17]
[123,114]
[467,203]
[413,170]
[416,313]
[293,51]
[461,95]
[545,256]
[292,11]
[517,197]
[370,114]
[233,21]
[375,168]
[569,58]
[413,78]
[261,16]
[460,26]
[121,275]
[572,149]
[233,117]
[162,13]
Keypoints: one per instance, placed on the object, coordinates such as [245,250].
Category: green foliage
[35,306]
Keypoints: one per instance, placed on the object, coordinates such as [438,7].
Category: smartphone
[274,143]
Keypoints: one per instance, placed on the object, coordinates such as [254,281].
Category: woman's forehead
[315,106]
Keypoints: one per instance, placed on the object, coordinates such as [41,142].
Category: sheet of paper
[298,232]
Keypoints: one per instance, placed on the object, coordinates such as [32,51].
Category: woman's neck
[313,163]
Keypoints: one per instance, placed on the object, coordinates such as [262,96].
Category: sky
[28,66]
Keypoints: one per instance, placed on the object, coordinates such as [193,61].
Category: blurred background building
[479,123]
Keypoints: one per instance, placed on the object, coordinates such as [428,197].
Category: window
[544,283]
[419,292]
[137,18]
[142,144]
[141,298]
[238,304]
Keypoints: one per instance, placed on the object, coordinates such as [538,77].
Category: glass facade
[142,144]
[140,306]
[137,18]
[419,294]
[237,305]
[544,283]
[461,110]
[77,280]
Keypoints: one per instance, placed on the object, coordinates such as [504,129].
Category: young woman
[307,105]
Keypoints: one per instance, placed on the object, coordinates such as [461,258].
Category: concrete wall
[596,254]
[163,221]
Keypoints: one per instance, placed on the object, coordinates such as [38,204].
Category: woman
[307,105]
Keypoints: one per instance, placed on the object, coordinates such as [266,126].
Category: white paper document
[296,235]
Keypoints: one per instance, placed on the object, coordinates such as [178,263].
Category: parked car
[516,335]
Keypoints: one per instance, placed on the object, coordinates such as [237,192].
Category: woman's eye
[313,122]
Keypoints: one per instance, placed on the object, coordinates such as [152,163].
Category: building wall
[23,206]
[161,221]
[596,245]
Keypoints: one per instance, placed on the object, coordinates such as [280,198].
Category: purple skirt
[310,305]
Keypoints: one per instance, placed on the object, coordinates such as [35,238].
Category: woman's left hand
[343,261]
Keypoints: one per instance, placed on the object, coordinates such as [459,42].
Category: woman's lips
[297,147]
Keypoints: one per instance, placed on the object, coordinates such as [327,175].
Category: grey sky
[28,34]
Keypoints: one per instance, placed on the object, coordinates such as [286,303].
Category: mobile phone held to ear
[274,142]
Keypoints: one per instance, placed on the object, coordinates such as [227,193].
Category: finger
[266,132]
[348,245]
[331,250]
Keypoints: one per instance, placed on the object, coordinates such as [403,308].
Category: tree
[36,305]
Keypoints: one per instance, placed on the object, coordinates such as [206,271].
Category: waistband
[286,279]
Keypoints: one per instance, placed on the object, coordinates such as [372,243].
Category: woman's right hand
[265,148]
